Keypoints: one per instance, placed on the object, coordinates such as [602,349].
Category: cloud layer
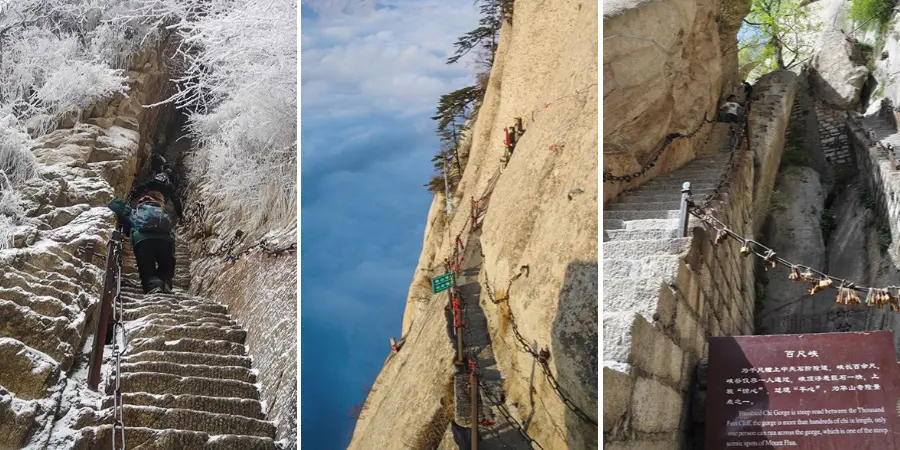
[369,81]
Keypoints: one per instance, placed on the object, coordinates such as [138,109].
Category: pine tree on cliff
[485,36]
[452,113]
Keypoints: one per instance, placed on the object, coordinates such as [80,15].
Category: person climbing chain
[152,240]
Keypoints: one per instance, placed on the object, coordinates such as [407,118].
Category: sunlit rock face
[666,66]
[542,213]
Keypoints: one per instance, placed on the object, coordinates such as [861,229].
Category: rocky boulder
[795,232]
[663,71]
[839,71]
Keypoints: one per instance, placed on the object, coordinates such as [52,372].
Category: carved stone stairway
[641,249]
[187,380]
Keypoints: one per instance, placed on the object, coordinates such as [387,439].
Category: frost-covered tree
[56,57]
[239,84]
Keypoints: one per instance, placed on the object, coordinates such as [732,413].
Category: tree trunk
[779,56]
[456,151]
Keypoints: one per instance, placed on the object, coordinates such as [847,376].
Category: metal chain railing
[736,137]
[541,357]
[507,415]
[609,177]
[118,327]
[196,217]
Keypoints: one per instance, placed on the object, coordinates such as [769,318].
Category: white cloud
[389,61]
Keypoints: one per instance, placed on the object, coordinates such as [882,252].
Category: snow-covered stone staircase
[641,249]
[187,380]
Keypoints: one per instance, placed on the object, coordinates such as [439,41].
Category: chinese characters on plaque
[816,391]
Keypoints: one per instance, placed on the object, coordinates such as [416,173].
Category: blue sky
[371,75]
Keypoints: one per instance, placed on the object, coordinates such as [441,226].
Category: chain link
[507,415]
[737,135]
[540,357]
[609,177]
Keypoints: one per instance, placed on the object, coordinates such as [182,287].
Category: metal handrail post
[683,216]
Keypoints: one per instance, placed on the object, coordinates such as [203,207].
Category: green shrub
[796,156]
[878,11]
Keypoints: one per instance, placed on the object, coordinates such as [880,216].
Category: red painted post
[106,295]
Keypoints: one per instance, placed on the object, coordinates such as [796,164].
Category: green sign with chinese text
[443,282]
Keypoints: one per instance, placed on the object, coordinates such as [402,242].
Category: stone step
[618,329]
[170,319]
[665,186]
[164,383]
[91,438]
[640,215]
[141,311]
[637,235]
[630,249]
[206,332]
[664,197]
[190,420]
[219,405]
[695,175]
[162,311]
[641,267]
[175,357]
[651,224]
[639,295]
[187,345]
[174,299]
[644,206]
[237,373]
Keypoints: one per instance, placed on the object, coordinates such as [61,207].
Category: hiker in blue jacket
[152,240]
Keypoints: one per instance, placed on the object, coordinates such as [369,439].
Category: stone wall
[878,173]
[833,133]
[261,294]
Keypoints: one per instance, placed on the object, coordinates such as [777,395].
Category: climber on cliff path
[152,240]
[731,109]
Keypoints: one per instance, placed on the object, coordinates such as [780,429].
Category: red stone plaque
[832,391]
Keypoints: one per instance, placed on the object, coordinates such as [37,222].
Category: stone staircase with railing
[640,243]
[641,249]
[187,380]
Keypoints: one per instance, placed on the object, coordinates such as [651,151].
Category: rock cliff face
[48,285]
[261,293]
[540,212]
[666,65]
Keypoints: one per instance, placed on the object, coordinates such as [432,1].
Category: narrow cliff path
[186,377]
[497,432]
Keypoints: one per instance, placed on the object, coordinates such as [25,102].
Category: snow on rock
[260,292]
[48,290]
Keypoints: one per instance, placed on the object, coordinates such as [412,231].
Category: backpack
[151,217]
